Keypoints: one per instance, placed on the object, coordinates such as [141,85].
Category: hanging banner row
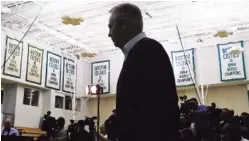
[34,69]
[232,66]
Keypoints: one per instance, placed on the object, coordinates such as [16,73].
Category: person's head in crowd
[7,124]
[213,105]
[193,100]
[232,112]
[232,132]
[103,129]
[114,112]
[244,114]
[245,119]
[48,113]
[60,122]
[71,121]
[126,22]
[193,104]
[81,124]
[226,114]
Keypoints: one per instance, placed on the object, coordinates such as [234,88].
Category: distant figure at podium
[8,130]
[44,120]
[48,124]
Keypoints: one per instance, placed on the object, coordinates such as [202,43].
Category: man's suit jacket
[147,103]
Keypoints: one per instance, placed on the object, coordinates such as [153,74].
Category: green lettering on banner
[100,70]
[14,55]
[35,59]
[180,63]
[68,78]
[231,64]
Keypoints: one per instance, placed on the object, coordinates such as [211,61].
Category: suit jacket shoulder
[148,45]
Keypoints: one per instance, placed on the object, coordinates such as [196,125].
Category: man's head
[114,111]
[7,124]
[226,114]
[232,132]
[81,124]
[126,21]
[72,121]
[60,122]
[103,129]
[48,113]
[245,119]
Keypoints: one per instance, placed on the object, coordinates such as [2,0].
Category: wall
[10,97]
[47,96]
[107,104]
[26,115]
[232,97]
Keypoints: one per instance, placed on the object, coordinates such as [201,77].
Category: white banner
[231,65]
[181,70]
[13,66]
[34,65]
[69,75]
[101,75]
[53,72]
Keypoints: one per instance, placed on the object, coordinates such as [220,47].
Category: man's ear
[122,24]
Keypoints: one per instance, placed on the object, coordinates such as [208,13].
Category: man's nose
[109,34]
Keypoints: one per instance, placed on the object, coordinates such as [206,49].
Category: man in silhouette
[49,124]
[147,103]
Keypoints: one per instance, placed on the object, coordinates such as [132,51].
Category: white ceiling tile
[195,20]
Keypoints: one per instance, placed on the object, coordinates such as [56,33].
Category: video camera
[77,130]
[90,121]
[191,112]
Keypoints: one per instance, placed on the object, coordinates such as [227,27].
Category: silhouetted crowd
[74,132]
[209,123]
[197,123]
[200,123]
